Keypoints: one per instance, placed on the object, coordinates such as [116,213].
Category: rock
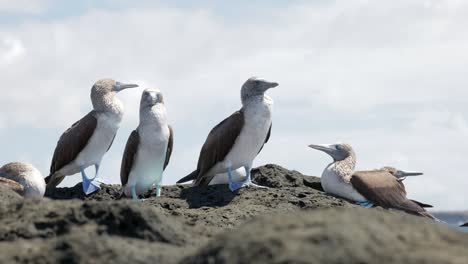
[336,236]
[186,224]
[7,195]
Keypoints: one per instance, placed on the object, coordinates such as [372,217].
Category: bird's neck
[344,168]
[255,99]
[153,116]
[108,103]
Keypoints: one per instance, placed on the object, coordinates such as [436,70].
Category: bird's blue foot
[365,204]
[90,186]
[158,190]
[233,186]
[135,196]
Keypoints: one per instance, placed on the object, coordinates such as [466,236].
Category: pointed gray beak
[403,174]
[122,86]
[327,148]
[265,85]
[273,84]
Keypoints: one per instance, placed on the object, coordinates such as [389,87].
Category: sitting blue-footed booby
[30,180]
[237,140]
[148,149]
[85,142]
[382,187]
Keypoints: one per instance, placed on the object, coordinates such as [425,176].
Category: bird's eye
[338,147]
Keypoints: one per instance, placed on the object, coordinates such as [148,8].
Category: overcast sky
[388,77]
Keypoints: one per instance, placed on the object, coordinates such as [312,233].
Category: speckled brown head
[103,92]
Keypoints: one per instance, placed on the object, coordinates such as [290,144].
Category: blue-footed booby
[148,149]
[381,187]
[237,140]
[85,142]
[30,180]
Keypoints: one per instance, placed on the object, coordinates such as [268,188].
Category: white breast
[257,122]
[333,184]
[107,126]
[148,166]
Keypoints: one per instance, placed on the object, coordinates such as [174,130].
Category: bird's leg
[96,168]
[158,190]
[365,204]
[88,186]
[247,183]
[233,186]
[134,195]
[248,180]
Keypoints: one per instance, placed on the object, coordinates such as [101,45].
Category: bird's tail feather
[423,205]
[192,176]
[53,180]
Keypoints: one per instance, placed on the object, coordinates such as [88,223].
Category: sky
[388,77]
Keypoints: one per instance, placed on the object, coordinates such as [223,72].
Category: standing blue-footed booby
[148,149]
[85,143]
[30,180]
[236,141]
[382,187]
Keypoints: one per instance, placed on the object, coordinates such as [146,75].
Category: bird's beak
[268,85]
[122,86]
[327,148]
[403,174]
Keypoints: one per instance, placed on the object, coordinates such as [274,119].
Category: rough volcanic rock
[336,236]
[197,224]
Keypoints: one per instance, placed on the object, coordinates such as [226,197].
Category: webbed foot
[365,204]
[233,186]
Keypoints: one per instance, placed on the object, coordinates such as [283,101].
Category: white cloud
[10,50]
[390,78]
[23,6]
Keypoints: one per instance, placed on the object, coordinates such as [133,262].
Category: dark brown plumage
[218,144]
[130,154]
[169,147]
[465,224]
[208,158]
[382,189]
[70,144]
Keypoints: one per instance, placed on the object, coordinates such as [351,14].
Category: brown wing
[72,142]
[465,224]
[267,138]
[382,189]
[129,156]
[170,145]
[218,144]
[13,185]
